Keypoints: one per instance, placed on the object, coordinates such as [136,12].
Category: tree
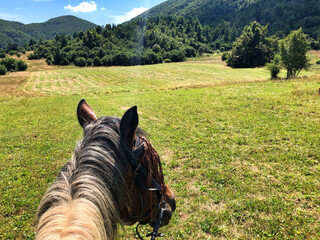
[3,70]
[97,61]
[10,64]
[22,66]
[293,51]
[253,48]
[80,62]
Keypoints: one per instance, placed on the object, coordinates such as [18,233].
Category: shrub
[10,64]
[11,53]
[224,56]
[72,55]
[190,51]
[156,48]
[136,59]
[49,60]
[167,60]
[149,57]
[107,60]
[32,56]
[97,61]
[80,62]
[122,59]
[176,55]
[89,62]
[3,70]
[201,50]
[2,55]
[222,49]
[22,66]
[275,66]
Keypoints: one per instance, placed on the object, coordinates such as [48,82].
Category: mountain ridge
[282,16]
[17,32]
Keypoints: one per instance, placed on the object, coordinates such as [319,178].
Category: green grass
[104,80]
[242,153]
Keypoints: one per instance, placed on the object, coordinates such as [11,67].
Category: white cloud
[129,15]
[83,7]
[103,8]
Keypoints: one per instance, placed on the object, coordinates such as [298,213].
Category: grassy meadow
[240,151]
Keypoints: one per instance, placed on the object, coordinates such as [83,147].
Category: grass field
[241,152]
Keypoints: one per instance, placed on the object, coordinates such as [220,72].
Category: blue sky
[99,12]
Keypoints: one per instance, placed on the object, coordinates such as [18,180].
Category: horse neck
[78,219]
[80,203]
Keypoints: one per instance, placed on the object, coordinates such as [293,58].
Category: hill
[282,16]
[21,33]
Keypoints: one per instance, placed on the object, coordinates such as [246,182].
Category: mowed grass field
[240,151]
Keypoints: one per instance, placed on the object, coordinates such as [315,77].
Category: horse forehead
[109,122]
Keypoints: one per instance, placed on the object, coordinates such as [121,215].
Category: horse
[114,178]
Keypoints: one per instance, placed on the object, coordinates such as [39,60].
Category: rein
[136,157]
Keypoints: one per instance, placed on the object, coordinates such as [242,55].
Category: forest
[282,16]
[150,41]
[139,42]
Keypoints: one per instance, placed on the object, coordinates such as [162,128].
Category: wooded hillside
[282,16]
[15,32]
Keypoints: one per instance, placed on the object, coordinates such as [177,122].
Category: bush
[190,52]
[22,66]
[89,62]
[224,56]
[201,50]
[2,55]
[107,60]
[11,53]
[275,66]
[10,64]
[80,62]
[176,55]
[318,62]
[156,48]
[97,61]
[32,56]
[3,70]
[150,57]
[167,60]
[122,59]
[136,59]
[49,60]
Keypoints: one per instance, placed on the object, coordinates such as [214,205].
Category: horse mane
[84,200]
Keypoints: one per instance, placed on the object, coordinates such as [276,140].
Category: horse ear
[85,113]
[128,126]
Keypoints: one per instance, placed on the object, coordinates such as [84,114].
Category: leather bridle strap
[136,154]
[155,233]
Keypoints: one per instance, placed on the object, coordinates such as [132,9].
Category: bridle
[135,157]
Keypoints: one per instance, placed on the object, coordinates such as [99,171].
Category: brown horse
[114,177]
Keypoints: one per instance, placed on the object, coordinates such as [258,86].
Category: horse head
[149,196]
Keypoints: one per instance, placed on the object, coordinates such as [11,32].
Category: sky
[100,12]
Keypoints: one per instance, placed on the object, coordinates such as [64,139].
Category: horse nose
[172,204]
